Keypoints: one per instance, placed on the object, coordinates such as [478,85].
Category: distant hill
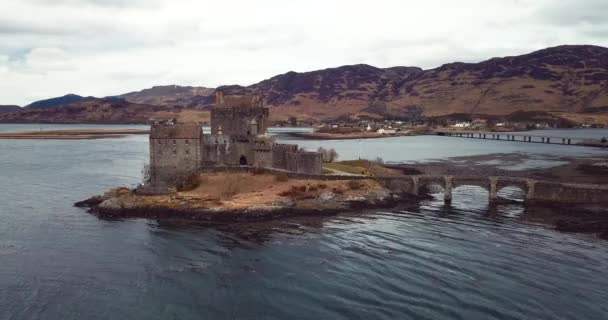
[55,102]
[11,108]
[171,95]
[565,81]
[101,110]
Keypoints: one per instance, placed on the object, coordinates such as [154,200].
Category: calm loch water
[425,262]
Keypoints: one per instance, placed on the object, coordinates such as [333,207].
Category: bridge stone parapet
[570,193]
[535,190]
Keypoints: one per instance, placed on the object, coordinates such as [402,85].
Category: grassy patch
[374,168]
[347,168]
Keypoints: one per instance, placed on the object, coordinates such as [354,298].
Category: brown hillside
[567,80]
[95,110]
[572,79]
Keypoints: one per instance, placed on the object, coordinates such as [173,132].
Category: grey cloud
[572,12]
[23,27]
[100,3]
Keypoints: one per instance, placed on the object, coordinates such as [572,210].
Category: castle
[239,137]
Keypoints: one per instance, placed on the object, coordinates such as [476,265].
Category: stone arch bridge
[535,190]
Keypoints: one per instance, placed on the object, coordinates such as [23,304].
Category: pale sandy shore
[80,134]
[344,136]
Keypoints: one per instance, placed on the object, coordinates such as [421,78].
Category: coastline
[222,196]
[77,134]
[342,136]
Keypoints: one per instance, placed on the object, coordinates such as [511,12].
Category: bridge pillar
[563,140]
[493,189]
[415,185]
[447,196]
[548,140]
[497,137]
[484,135]
[530,192]
[568,141]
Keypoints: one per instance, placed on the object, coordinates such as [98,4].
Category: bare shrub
[258,170]
[323,153]
[332,155]
[328,155]
[354,184]
[298,193]
[191,182]
[281,178]
[229,186]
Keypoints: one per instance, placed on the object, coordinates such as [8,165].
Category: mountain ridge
[563,79]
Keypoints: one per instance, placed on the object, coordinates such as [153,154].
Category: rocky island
[237,172]
[239,196]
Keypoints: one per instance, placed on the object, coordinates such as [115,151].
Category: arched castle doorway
[243,161]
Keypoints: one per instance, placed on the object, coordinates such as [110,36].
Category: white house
[386,131]
[462,125]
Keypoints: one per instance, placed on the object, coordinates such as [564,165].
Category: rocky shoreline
[126,203]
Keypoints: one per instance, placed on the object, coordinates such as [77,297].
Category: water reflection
[426,261]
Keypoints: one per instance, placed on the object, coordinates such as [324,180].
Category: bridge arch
[505,187]
[481,182]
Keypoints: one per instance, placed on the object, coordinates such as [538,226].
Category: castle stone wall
[305,162]
[216,149]
[239,121]
[175,151]
[309,162]
[262,152]
[279,154]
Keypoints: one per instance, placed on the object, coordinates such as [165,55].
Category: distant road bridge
[525,137]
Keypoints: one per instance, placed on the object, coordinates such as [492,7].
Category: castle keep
[239,137]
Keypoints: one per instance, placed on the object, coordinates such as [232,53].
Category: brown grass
[281,178]
[190,183]
[242,190]
[355,184]
[229,187]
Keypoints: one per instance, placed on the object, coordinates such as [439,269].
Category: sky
[49,48]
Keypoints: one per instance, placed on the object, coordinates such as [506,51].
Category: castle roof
[175,131]
[237,101]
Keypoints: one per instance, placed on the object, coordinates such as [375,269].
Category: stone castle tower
[239,137]
[239,115]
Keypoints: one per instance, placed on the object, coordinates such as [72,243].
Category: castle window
[188,151]
[187,142]
[174,142]
[174,151]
